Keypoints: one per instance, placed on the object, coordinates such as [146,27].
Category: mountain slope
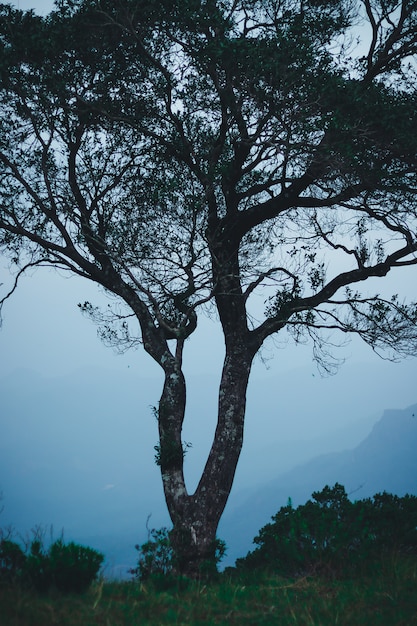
[385,460]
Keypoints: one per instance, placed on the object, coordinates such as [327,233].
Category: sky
[42,7]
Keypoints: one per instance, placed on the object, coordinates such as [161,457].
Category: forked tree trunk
[196,517]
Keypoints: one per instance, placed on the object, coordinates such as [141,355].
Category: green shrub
[37,571]
[156,556]
[73,567]
[66,567]
[12,561]
[333,535]
[157,559]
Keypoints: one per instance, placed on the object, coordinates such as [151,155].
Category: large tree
[250,159]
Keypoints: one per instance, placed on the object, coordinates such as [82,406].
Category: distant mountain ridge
[386,460]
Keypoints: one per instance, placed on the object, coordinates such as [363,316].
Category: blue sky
[40,6]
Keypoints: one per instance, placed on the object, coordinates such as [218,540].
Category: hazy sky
[40,6]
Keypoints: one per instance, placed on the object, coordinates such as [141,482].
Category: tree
[205,156]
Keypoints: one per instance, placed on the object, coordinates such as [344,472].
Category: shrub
[157,559]
[12,561]
[37,571]
[74,567]
[333,535]
[67,567]
[155,556]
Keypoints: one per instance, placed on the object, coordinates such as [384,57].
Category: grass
[388,597]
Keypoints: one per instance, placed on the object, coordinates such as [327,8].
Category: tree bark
[196,517]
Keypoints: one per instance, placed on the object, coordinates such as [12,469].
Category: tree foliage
[136,140]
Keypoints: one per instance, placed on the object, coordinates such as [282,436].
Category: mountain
[385,460]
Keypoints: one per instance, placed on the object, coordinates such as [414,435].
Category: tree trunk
[196,517]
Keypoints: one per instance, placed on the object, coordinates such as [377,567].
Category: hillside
[385,460]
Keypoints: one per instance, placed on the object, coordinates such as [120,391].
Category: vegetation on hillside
[330,561]
[386,598]
[335,537]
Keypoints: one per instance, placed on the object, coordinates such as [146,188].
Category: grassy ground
[388,598]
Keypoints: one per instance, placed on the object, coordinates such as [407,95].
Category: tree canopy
[250,159]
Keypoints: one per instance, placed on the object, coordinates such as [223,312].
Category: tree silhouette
[205,157]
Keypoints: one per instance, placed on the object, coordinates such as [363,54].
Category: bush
[12,561]
[333,535]
[66,567]
[36,572]
[155,556]
[157,559]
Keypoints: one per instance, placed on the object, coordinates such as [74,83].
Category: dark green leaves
[334,536]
